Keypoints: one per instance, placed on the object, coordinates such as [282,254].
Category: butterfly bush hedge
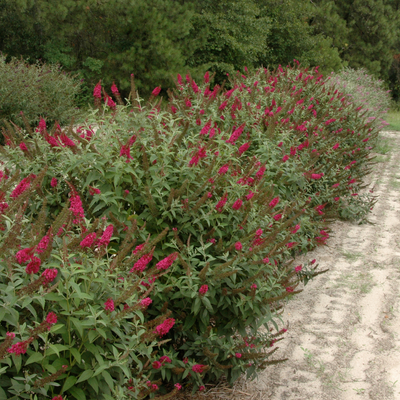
[365,90]
[72,324]
[224,188]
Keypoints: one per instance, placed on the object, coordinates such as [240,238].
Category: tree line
[155,39]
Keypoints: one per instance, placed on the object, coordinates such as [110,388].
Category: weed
[383,146]
[351,256]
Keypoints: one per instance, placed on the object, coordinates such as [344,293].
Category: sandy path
[344,337]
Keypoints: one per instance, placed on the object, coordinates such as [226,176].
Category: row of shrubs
[153,247]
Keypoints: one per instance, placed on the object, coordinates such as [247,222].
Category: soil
[343,340]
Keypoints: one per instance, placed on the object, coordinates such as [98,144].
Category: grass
[383,146]
[393,117]
[351,256]
[362,283]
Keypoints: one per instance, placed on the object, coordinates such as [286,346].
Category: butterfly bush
[72,320]
[365,90]
[225,188]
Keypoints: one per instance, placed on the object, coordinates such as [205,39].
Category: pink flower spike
[237,204]
[106,236]
[224,169]
[50,274]
[97,91]
[238,355]
[109,305]
[156,91]
[178,386]
[165,359]
[33,266]
[165,327]
[23,147]
[167,262]
[156,365]
[20,188]
[243,148]
[203,290]
[18,348]
[51,318]
[238,246]
[274,202]
[24,255]
[88,240]
[198,368]
[53,182]
[146,302]
[141,264]
[114,89]
[76,208]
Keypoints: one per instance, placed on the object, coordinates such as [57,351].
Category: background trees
[154,39]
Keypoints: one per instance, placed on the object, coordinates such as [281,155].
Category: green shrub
[232,184]
[364,90]
[39,90]
[72,320]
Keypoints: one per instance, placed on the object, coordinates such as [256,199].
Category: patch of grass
[395,182]
[393,117]
[381,159]
[383,146]
[362,282]
[351,256]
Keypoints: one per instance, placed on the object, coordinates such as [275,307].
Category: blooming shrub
[72,317]
[365,90]
[231,184]
[39,90]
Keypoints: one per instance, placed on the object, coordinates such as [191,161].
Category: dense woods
[154,39]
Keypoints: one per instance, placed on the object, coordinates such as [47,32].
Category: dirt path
[344,337]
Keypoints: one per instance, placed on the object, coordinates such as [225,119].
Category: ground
[343,340]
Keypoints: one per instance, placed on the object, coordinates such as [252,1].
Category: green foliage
[292,36]
[364,90]
[226,187]
[364,31]
[234,33]
[110,39]
[60,334]
[39,90]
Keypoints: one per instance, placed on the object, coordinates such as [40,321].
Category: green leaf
[207,303]
[107,377]
[35,357]
[189,321]
[196,306]
[76,354]
[78,325]
[69,382]
[85,375]
[3,395]
[100,369]
[92,335]
[78,393]
[55,349]
[17,360]
[94,384]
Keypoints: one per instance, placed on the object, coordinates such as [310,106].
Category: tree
[364,31]
[233,32]
[292,36]
[108,40]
